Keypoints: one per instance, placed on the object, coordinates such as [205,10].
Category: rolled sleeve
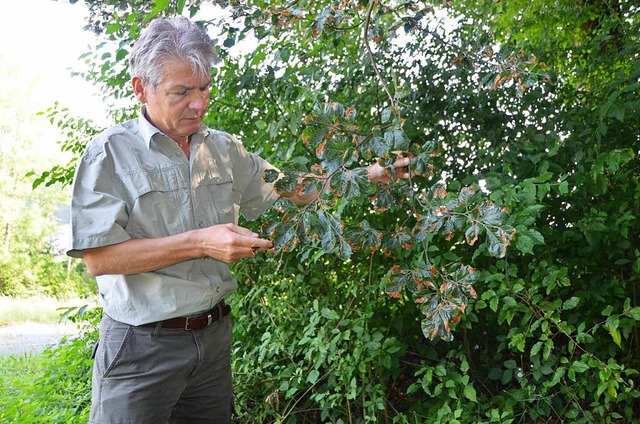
[98,211]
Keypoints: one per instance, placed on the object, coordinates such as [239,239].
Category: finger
[252,251]
[402,162]
[256,243]
[242,231]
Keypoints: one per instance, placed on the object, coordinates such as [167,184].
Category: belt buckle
[187,319]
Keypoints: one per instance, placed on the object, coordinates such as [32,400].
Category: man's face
[179,102]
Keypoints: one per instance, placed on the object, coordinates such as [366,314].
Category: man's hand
[379,174]
[229,242]
[376,173]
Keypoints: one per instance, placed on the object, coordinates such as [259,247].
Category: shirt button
[218,289]
[200,224]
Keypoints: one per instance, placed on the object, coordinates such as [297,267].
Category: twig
[365,38]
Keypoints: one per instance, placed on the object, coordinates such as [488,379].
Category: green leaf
[524,243]
[571,303]
[611,325]
[535,349]
[615,335]
[180,6]
[313,376]
[634,313]
[111,28]
[160,5]
[563,187]
[470,393]
[330,314]
[579,366]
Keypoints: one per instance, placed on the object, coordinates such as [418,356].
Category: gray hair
[171,38]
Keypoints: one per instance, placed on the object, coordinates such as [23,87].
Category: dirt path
[19,338]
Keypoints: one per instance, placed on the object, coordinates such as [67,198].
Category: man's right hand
[229,242]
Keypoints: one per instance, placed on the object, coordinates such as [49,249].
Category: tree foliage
[30,261]
[515,238]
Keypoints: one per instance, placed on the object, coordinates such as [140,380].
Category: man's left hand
[379,174]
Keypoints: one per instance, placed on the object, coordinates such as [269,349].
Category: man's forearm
[140,255]
[224,242]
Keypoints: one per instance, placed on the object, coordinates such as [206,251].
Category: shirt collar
[147,130]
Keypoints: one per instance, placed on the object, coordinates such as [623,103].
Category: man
[155,208]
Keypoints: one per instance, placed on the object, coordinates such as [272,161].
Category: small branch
[365,38]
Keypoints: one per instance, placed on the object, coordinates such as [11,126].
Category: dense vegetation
[510,261]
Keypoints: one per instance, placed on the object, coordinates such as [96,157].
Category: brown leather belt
[196,322]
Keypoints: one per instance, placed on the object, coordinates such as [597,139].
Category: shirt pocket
[159,202]
[226,200]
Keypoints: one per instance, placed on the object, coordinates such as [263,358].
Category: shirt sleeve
[98,210]
[257,194]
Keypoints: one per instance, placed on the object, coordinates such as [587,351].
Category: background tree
[516,237]
[30,257]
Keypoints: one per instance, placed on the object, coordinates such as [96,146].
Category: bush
[54,387]
[523,126]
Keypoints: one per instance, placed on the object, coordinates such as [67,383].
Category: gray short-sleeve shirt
[135,182]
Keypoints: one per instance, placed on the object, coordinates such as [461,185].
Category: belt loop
[157,330]
[219,308]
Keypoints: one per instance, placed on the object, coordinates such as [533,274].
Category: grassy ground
[33,309]
[51,387]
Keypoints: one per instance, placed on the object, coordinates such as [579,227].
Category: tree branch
[365,37]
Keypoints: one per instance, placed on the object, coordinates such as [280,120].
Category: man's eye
[180,93]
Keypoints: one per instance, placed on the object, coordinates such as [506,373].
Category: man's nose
[199,101]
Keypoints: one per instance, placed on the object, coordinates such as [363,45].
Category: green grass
[53,387]
[33,309]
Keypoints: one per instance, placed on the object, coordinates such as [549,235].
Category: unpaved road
[19,338]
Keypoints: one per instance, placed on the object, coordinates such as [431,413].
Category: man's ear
[139,89]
